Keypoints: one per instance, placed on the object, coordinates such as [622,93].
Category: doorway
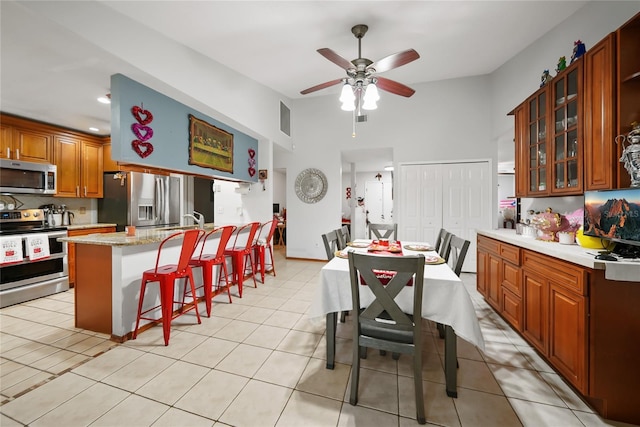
[203,198]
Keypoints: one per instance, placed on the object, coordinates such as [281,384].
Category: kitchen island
[109,269]
[579,313]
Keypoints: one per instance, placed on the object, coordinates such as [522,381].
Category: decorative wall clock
[311,185]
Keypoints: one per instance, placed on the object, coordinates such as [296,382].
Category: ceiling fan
[361,72]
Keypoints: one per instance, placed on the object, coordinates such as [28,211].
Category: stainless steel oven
[29,279]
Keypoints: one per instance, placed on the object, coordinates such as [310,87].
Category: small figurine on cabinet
[545,78]
[579,49]
[562,64]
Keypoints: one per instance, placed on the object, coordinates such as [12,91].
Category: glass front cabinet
[548,138]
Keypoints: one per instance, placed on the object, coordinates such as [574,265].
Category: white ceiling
[49,73]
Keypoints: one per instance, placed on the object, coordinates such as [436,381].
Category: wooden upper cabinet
[80,167]
[6,141]
[110,165]
[628,86]
[67,156]
[566,147]
[20,141]
[532,145]
[521,152]
[92,169]
[600,153]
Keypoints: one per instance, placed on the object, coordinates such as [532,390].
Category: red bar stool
[264,242]
[240,253]
[208,260]
[165,276]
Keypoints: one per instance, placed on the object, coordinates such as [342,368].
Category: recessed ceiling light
[105,99]
[94,129]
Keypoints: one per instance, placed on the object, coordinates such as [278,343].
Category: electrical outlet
[83,210]
[220,210]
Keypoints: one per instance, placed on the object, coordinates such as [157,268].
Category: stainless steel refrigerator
[140,199]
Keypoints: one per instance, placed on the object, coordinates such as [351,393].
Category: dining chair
[207,260]
[383,231]
[383,324]
[264,242]
[457,252]
[331,244]
[343,237]
[165,275]
[240,254]
[458,248]
[443,246]
[441,237]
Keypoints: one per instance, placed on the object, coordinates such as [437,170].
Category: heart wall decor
[144,149]
[143,133]
[138,113]
[252,162]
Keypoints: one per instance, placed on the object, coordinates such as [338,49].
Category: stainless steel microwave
[21,177]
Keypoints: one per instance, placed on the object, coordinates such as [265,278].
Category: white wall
[447,120]
[280,188]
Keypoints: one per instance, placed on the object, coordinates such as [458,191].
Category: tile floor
[260,362]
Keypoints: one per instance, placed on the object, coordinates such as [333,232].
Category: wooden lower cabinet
[582,324]
[71,247]
[544,299]
[511,308]
[494,268]
[567,338]
[535,323]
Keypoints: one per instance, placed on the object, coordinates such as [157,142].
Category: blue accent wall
[170,127]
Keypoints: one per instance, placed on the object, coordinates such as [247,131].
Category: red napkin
[385,277]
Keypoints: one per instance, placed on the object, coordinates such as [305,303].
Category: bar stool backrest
[249,230]
[270,227]
[223,233]
[189,243]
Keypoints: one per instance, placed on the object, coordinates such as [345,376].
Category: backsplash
[85,211]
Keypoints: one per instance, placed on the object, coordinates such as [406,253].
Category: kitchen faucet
[197,217]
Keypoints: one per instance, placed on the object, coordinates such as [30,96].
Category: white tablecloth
[445,299]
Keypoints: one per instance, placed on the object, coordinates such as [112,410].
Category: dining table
[445,299]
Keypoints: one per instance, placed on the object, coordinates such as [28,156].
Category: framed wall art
[209,146]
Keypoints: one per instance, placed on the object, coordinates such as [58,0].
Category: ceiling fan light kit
[360,87]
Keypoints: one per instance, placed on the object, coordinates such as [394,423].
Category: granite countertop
[144,236]
[85,226]
[572,253]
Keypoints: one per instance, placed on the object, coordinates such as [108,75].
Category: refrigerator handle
[156,200]
[162,199]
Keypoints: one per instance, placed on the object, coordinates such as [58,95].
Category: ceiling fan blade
[335,58]
[394,61]
[321,86]
[394,87]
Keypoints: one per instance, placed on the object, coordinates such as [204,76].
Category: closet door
[456,196]
[421,203]
[466,203]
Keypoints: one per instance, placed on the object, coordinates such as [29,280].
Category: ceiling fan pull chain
[353,120]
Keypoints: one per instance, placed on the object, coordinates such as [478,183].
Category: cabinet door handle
[77,190]
[17,154]
[8,153]
[85,191]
